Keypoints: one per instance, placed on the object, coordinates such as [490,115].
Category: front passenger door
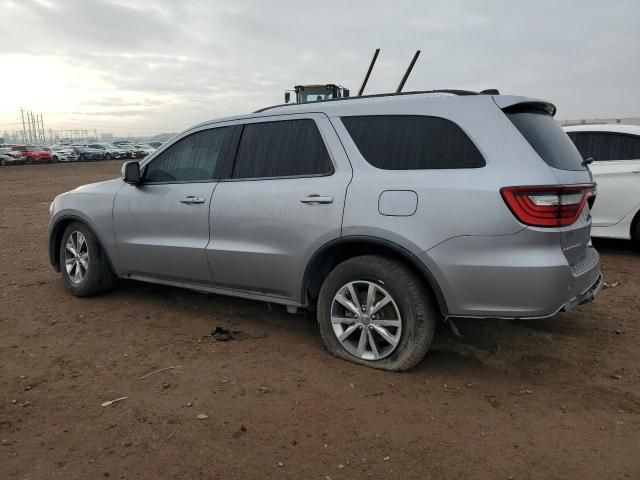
[162,224]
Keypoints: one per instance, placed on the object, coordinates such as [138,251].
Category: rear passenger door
[282,199]
[616,169]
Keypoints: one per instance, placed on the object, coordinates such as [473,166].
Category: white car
[615,150]
[63,153]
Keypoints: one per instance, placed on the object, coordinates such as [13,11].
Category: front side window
[285,148]
[412,142]
[195,158]
[603,146]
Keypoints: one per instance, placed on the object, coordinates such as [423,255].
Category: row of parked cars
[21,154]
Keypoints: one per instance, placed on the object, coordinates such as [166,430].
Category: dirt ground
[544,399]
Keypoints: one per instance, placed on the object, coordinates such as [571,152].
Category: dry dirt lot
[545,399]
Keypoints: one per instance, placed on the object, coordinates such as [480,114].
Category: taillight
[548,206]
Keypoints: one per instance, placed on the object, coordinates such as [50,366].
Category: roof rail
[395,94]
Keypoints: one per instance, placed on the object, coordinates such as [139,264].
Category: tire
[635,230]
[411,301]
[3,163]
[98,276]
[55,159]
[107,156]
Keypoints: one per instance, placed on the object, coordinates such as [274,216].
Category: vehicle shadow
[614,246]
[512,347]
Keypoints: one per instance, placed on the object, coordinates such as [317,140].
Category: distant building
[107,137]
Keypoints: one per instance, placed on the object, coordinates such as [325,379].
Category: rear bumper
[587,296]
[511,276]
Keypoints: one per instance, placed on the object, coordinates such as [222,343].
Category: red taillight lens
[548,206]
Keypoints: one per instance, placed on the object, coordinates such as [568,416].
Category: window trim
[369,164]
[588,132]
[271,119]
[225,153]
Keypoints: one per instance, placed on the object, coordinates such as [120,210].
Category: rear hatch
[534,120]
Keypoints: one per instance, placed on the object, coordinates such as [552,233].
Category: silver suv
[385,213]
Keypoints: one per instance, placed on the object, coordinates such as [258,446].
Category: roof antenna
[366,77]
[408,72]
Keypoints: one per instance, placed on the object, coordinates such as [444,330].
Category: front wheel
[85,267]
[374,311]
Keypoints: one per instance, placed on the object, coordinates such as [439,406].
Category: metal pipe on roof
[408,72]
[366,77]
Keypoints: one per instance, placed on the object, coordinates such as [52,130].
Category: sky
[142,67]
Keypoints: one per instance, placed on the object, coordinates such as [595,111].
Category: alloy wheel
[366,320]
[76,257]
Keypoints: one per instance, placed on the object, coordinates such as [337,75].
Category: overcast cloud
[149,66]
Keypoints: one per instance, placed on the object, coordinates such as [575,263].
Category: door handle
[192,200]
[314,199]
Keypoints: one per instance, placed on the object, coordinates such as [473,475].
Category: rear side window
[286,148]
[546,137]
[602,146]
[195,158]
[412,142]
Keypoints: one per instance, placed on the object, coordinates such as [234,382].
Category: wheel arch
[343,248]
[55,237]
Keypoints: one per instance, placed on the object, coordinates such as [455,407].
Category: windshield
[315,94]
[546,137]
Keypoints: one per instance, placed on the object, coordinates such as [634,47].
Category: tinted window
[607,146]
[408,142]
[281,149]
[547,138]
[197,157]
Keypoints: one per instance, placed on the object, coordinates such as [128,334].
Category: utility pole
[35,128]
[44,137]
[24,131]
[30,139]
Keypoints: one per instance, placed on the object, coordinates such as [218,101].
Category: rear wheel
[107,156]
[85,268]
[374,311]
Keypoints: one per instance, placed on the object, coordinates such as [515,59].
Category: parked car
[615,150]
[63,153]
[141,150]
[11,157]
[34,154]
[156,145]
[385,214]
[110,151]
[86,154]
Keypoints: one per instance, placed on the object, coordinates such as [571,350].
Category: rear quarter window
[546,137]
[412,142]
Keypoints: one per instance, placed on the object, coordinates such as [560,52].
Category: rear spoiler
[513,103]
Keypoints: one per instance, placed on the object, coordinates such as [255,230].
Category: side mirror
[287,97]
[131,172]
